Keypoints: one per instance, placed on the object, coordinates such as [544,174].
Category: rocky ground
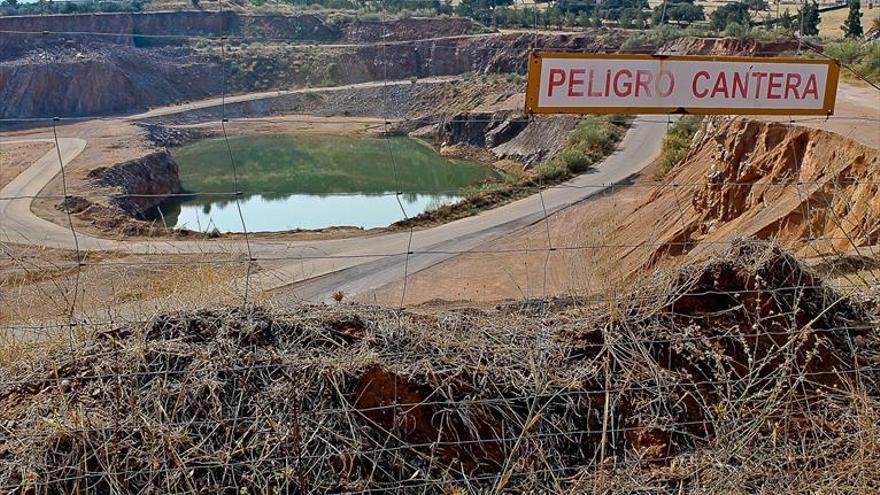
[18,157]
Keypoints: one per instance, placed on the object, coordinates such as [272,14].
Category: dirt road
[319,268]
[316,269]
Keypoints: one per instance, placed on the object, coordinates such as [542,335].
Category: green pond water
[311,181]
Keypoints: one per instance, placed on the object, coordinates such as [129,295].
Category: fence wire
[609,397]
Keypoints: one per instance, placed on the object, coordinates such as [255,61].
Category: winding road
[317,268]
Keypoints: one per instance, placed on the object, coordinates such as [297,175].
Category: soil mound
[141,184]
[715,374]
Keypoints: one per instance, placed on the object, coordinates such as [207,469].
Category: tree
[399,5]
[679,11]
[575,6]
[731,13]
[808,18]
[615,9]
[481,9]
[852,28]
[786,22]
[758,5]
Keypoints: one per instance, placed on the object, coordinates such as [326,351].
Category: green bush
[864,58]
[553,170]
[677,143]
[737,30]
[370,17]
[575,160]
[731,13]
[514,78]
[592,139]
[595,136]
[848,52]
[870,64]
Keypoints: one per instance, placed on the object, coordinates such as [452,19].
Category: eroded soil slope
[812,190]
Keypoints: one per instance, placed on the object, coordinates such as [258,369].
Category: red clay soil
[813,191]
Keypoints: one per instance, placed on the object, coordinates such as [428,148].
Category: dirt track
[518,262]
[351,265]
[313,270]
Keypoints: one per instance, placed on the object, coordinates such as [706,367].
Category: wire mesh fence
[613,366]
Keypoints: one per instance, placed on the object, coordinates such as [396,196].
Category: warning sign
[643,84]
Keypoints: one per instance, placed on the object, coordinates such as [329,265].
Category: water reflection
[313,181]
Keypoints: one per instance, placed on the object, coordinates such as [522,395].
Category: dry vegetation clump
[743,374]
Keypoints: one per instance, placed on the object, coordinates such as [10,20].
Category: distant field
[710,6]
[831,21]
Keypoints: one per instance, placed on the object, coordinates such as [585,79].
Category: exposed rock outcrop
[479,129]
[98,80]
[118,71]
[811,190]
[124,28]
[168,137]
[732,46]
[411,28]
[508,135]
[141,184]
[542,138]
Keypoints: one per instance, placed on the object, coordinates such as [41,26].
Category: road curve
[319,268]
[638,148]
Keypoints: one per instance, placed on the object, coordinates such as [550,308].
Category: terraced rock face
[115,63]
[815,191]
[100,79]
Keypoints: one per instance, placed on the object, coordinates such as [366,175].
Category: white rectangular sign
[620,83]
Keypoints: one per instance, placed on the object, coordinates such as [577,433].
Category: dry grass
[41,287]
[743,372]
[829,27]
[15,158]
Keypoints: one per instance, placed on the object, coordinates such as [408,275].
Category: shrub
[553,170]
[370,17]
[592,139]
[595,136]
[514,78]
[737,30]
[575,160]
[339,20]
[848,52]
[731,13]
[864,58]
[677,142]
[870,65]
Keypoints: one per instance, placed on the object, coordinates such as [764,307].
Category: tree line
[731,18]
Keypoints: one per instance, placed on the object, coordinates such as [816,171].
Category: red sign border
[536,57]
